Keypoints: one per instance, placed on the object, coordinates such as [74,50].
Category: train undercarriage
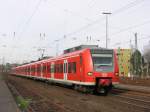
[102,86]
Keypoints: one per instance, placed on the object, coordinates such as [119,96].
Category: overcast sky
[45,24]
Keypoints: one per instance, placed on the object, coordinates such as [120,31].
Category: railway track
[46,97]
[136,99]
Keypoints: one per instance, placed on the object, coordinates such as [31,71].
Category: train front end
[105,69]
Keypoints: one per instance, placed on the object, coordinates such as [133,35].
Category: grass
[23,103]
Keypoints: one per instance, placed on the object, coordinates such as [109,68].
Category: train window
[80,59]
[44,68]
[56,68]
[38,68]
[48,69]
[61,68]
[74,67]
[28,69]
[64,69]
[32,69]
[69,67]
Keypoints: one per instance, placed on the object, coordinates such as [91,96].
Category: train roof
[77,52]
[80,47]
[54,58]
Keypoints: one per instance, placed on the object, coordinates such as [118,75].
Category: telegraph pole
[136,41]
[106,13]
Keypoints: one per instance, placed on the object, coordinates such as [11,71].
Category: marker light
[117,74]
[90,73]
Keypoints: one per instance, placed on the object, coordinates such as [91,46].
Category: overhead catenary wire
[76,14]
[126,29]
[130,27]
[30,17]
[127,6]
[81,29]
[130,5]
[125,42]
[91,3]
[86,26]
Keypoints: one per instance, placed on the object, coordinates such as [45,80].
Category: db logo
[104,74]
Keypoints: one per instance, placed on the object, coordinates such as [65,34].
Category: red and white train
[87,69]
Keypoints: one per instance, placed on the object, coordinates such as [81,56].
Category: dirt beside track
[135,81]
[52,98]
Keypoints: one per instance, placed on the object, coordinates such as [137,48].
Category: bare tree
[147,57]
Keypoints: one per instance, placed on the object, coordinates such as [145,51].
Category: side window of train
[61,68]
[69,67]
[49,68]
[64,68]
[80,59]
[28,69]
[56,68]
[74,67]
[32,69]
[38,68]
[44,68]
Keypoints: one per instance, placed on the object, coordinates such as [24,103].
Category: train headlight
[117,74]
[90,73]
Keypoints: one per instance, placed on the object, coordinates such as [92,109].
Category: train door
[30,71]
[41,70]
[65,69]
[81,69]
[52,70]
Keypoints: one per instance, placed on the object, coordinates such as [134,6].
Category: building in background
[124,56]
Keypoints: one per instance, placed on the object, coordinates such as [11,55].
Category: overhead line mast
[106,13]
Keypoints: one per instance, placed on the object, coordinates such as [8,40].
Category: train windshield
[103,61]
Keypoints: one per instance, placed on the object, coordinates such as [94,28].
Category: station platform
[133,87]
[7,102]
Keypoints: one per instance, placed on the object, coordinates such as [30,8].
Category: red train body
[89,69]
